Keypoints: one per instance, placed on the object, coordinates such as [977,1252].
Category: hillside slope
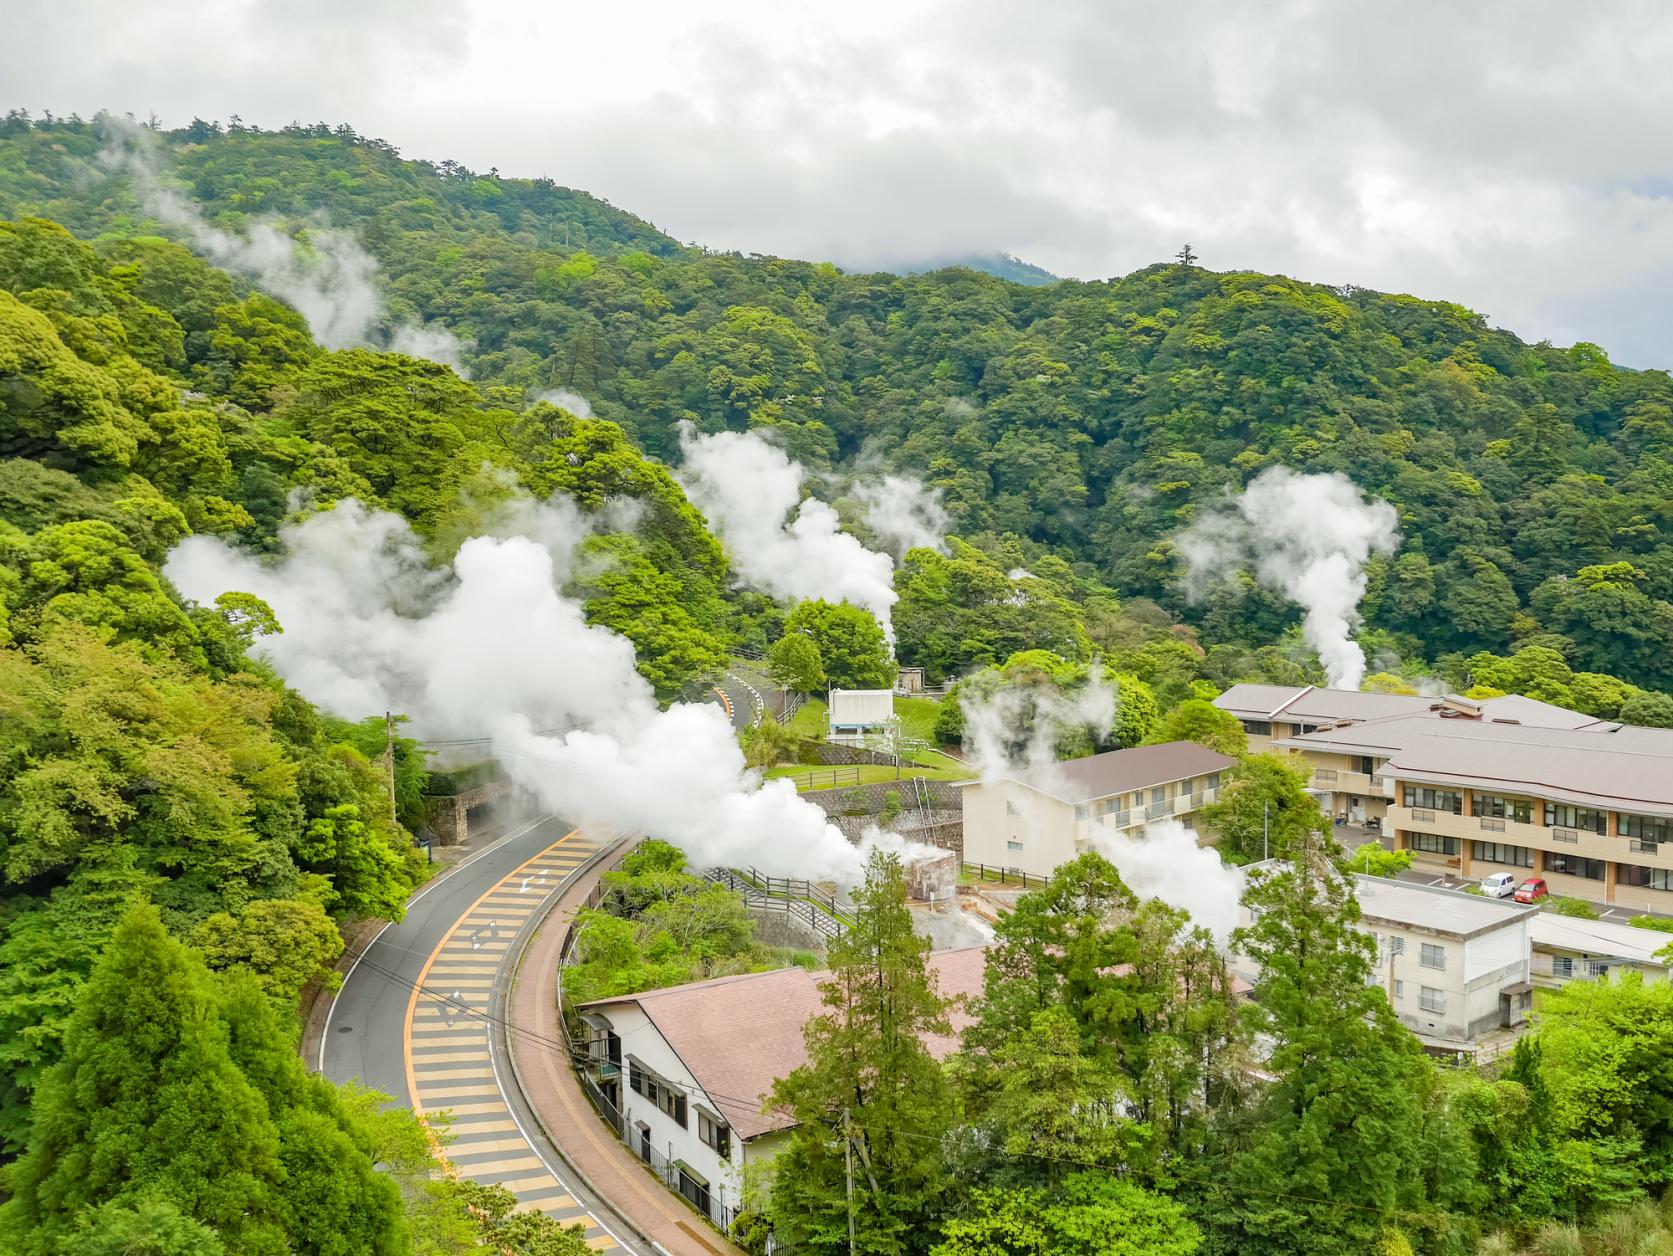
[1533,483]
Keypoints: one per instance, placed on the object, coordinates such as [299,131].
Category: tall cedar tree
[868,1071]
[1326,1166]
[148,1104]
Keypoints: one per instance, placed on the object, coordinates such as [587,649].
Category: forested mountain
[1534,483]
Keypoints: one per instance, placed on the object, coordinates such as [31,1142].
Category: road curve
[411,1018]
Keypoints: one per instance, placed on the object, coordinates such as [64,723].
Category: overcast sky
[1513,156]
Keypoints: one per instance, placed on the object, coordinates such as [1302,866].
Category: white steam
[903,514]
[1016,730]
[492,649]
[751,494]
[569,399]
[326,276]
[1165,862]
[1307,537]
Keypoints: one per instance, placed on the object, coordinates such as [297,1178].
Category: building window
[1644,878]
[1574,866]
[668,1100]
[1363,765]
[1431,999]
[1646,828]
[1434,843]
[714,1133]
[1213,781]
[1502,808]
[695,1189]
[1158,795]
[1257,728]
[1080,811]
[1501,853]
[1013,845]
[1435,799]
[1396,945]
[1432,955]
[1563,816]
[1399,988]
[1011,809]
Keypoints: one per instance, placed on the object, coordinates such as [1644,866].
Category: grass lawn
[825,776]
[809,719]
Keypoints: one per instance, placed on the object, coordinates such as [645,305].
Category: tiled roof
[739,1035]
[1122,771]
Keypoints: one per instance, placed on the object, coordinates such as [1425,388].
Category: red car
[1532,890]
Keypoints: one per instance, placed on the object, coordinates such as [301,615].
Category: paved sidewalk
[569,1120]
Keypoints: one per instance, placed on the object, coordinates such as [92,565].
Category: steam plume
[903,513]
[1307,537]
[569,399]
[1165,862]
[328,277]
[751,494]
[1016,730]
[492,648]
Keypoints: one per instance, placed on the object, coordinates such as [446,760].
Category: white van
[1499,885]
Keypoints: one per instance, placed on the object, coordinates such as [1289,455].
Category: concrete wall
[871,798]
[1008,825]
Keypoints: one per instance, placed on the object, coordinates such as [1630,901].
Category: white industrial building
[1456,967]
[1568,948]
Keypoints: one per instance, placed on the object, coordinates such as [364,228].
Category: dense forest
[175,820]
[1094,418]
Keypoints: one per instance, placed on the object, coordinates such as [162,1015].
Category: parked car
[1499,885]
[1532,890]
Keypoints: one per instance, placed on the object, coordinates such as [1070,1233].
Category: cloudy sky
[1513,156]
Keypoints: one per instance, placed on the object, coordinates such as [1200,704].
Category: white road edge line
[325,1032]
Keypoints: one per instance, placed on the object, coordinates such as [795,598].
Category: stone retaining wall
[872,798]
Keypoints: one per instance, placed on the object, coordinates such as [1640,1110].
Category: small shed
[933,877]
[855,713]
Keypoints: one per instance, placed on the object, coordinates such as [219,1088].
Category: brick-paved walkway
[602,1162]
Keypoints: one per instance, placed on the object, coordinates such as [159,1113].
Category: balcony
[1639,846]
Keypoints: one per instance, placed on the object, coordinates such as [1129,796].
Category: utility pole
[848,1165]
[389,763]
[1264,809]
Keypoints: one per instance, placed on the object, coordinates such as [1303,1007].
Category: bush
[1576,907]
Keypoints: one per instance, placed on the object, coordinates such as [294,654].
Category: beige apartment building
[1502,785]
[1034,821]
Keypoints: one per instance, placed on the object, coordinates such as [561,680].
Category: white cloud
[1504,156]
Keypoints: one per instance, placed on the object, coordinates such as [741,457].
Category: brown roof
[739,1035]
[1122,771]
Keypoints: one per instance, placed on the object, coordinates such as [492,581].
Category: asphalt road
[364,1037]
[740,701]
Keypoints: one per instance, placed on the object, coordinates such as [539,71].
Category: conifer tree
[148,1104]
[871,1095]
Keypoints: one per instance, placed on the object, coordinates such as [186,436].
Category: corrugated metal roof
[1312,705]
[1597,937]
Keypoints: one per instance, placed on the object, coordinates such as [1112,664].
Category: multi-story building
[1035,820]
[1349,770]
[682,1073]
[1505,784]
[1455,967]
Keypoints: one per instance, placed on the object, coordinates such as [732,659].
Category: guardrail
[1004,876]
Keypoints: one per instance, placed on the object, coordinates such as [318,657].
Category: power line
[567,1051]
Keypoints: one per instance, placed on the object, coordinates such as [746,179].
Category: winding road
[416,1013]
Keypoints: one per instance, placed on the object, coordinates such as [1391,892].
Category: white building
[682,1072]
[1034,821]
[854,716]
[1455,967]
[1567,948]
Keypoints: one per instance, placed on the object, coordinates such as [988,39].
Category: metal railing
[1639,846]
[1569,836]
[800,900]
[1426,817]
[1491,825]
[1324,774]
[700,1196]
[1004,876]
[828,778]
